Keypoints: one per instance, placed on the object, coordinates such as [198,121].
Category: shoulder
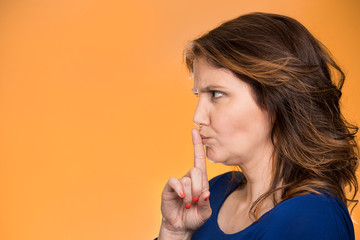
[310,216]
[307,203]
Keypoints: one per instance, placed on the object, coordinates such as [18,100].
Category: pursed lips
[204,138]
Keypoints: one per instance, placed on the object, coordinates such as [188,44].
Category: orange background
[96,106]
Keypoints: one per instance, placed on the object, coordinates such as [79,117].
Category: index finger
[199,153]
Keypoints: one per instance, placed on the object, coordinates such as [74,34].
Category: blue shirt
[310,216]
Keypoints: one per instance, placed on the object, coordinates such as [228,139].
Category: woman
[269,104]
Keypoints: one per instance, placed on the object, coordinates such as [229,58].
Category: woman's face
[234,129]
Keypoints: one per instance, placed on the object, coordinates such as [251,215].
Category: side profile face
[234,129]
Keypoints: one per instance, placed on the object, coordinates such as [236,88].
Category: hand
[185,206]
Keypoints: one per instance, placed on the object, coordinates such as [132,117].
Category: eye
[216,94]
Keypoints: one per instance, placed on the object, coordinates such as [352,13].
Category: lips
[204,139]
[203,135]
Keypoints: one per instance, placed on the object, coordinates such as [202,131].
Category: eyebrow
[207,89]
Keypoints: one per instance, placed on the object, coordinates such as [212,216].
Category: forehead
[205,74]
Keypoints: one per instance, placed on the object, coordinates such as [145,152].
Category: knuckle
[205,188]
[200,154]
[197,170]
[196,192]
[186,180]
[172,181]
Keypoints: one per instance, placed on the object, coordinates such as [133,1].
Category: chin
[215,157]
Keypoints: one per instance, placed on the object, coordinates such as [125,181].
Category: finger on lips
[194,186]
[200,157]
[199,153]
[196,183]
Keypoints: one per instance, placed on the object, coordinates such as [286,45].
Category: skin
[178,221]
[235,132]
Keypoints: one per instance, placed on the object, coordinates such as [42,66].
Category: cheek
[241,124]
[228,123]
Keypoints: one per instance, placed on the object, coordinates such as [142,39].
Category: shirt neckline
[243,231]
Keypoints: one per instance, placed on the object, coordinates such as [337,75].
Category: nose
[201,114]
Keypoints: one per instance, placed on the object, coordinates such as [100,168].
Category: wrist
[167,233]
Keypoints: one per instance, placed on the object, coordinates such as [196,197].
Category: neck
[258,173]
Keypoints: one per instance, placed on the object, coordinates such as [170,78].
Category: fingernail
[206,198]
[182,194]
[188,206]
[195,199]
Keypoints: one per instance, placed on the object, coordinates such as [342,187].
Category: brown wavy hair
[294,77]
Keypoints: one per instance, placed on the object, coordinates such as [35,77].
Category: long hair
[294,77]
